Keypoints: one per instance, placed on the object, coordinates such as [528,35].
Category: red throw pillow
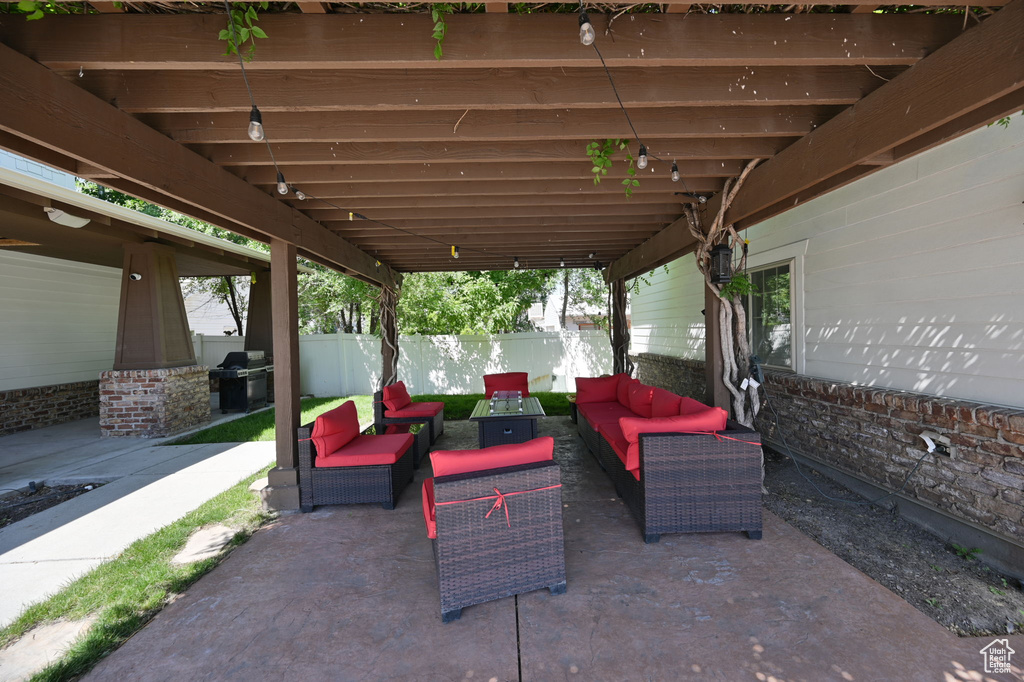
[335,429]
[509,381]
[664,404]
[691,406]
[451,462]
[622,392]
[640,398]
[396,396]
[712,419]
[596,389]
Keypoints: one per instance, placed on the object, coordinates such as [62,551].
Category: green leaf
[437,52]
[259,32]
[433,14]
[251,13]
[38,14]
[28,6]
[224,34]
[264,5]
[636,183]
[625,182]
[597,179]
[243,34]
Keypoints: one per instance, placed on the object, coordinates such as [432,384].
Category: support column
[716,394]
[259,326]
[389,336]
[620,329]
[283,489]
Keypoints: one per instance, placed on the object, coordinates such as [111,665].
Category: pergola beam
[47,110]
[489,41]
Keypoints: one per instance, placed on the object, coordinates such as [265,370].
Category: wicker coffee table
[506,419]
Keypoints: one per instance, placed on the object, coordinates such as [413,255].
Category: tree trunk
[233,304]
[373,320]
[565,298]
[359,317]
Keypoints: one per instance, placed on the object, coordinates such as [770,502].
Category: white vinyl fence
[350,364]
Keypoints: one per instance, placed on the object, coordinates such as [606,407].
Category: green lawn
[127,591]
[260,426]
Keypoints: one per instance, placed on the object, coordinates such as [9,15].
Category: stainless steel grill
[243,380]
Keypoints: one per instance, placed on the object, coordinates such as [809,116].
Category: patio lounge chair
[394,406]
[508,381]
[495,518]
[340,465]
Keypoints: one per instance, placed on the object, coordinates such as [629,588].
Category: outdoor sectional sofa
[679,465]
[338,464]
[495,518]
[393,406]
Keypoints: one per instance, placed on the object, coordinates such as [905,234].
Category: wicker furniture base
[481,557]
[380,484]
[435,423]
[689,483]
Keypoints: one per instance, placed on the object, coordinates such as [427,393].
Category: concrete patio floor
[350,593]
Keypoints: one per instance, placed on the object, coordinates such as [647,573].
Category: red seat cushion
[415,410]
[596,389]
[664,404]
[395,396]
[333,430]
[691,406]
[507,381]
[640,398]
[397,428]
[369,451]
[429,510]
[622,390]
[600,413]
[451,462]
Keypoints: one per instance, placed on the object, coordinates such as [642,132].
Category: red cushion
[596,389]
[369,451]
[712,419]
[397,428]
[334,429]
[429,511]
[664,404]
[396,396]
[622,392]
[508,381]
[600,413]
[691,406]
[451,462]
[415,410]
[640,398]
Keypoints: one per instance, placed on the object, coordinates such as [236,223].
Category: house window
[769,316]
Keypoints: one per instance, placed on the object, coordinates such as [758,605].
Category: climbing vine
[242,29]
[439,14]
[601,153]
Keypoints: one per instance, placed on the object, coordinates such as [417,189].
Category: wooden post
[389,336]
[259,325]
[283,489]
[715,394]
[620,329]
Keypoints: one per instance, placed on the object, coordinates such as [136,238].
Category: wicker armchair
[497,532]
[430,414]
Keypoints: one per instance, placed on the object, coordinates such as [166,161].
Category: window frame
[793,256]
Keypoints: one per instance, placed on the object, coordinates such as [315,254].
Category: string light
[256,132]
[515,262]
[455,251]
[561,262]
[641,158]
[299,194]
[282,186]
[675,172]
[587,34]
[592,254]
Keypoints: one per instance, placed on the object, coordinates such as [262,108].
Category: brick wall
[682,377]
[153,402]
[873,434]
[32,408]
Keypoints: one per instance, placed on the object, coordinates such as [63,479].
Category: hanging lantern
[721,264]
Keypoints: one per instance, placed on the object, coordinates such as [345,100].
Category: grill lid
[244,359]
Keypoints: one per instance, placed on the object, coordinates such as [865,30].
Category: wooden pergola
[408,156]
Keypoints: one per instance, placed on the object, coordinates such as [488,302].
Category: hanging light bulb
[455,251]
[256,133]
[515,262]
[561,262]
[587,34]
[282,186]
[641,159]
[299,194]
[675,172]
[592,254]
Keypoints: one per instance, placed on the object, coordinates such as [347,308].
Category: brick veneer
[682,377]
[153,402]
[873,434]
[22,409]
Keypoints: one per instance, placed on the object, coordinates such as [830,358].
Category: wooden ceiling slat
[440,126]
[443,203]
[549,224]
[141,92]
[510,211]
[396,41]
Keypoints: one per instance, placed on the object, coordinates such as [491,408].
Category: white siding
[666,315]
[913,277]
[58,320]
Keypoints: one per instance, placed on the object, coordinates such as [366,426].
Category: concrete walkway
[350,593]
[149,487]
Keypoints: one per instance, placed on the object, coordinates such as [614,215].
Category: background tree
[582,291]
